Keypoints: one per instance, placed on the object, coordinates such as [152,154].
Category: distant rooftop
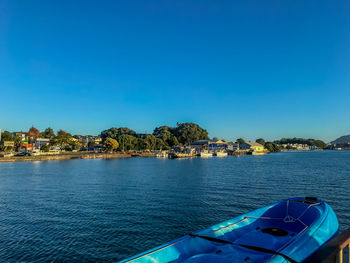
[200,142]
[254,144]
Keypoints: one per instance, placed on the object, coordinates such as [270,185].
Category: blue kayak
[287,231]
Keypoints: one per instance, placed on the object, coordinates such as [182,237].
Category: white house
[39,142]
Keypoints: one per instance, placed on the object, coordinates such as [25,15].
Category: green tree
[164,133]
[127,142]
[63,133]
[63,139]
[141,144]
[74,144]
[114,133]
[240,140]
[6,136]
[160,132]
[272,147]
[161,145]
[261,141]
[172,141]
[48,133]
[151,142]
[189,132]
[110,144]
[18,142]
[45,148]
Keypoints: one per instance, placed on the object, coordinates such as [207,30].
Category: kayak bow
[286,231]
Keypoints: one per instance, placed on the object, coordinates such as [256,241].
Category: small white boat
[206,154]
[221,154]
[162,154]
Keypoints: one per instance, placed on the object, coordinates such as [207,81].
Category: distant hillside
[342,140]
[311,142]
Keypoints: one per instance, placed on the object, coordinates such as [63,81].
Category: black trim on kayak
[260,249]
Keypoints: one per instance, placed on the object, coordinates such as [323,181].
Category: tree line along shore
[124,141]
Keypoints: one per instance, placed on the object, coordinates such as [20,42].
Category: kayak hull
[293,228]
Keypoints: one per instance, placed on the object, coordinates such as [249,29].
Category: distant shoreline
[92,155]
[72,156]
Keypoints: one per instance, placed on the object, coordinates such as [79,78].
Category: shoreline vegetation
[188,139]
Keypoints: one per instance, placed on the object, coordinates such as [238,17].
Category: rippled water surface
[106,210]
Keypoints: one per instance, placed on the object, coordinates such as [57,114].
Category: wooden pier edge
[332,251]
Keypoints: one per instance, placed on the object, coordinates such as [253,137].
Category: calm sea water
[107,210]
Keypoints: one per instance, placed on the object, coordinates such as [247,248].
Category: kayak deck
[273,233]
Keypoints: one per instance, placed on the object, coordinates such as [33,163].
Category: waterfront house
[39,142]
[27,147]
[23,135]
[232,146]
[10,144]
[215,145]
[98,140]
[88,139]
[78,137]
[251,146]
[96,148]
[54,150]
[298,146]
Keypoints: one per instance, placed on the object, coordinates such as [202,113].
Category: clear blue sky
[247,69]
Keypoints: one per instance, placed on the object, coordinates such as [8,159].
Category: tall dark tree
[114,133]
[159,132]
[172,141]
[33,133]
[18,142]
[261,141]
[6,136]
[141,144]
[161,145]
[272,147]
[127,142]
[63,133]
[190,132]
[48,133]
[240,140]
[151,141]
[164,133]
[63,139]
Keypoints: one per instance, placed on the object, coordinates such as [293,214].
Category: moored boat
[206,154]
[181,155]
[286,231]
[162,154]
[221,154]
[257,153]
[185,153]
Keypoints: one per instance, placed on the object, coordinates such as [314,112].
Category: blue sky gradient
[246,69]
